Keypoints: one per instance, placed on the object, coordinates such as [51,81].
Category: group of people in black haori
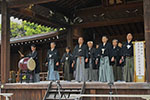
[108,62]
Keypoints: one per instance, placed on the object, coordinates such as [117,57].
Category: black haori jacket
[68,57]
[53,55]
[80,52]
[92,56]
[127,49]
[103,51]
[116,53]
[34,55]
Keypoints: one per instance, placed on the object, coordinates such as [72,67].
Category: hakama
[52,74]
[80,69]
[105,70]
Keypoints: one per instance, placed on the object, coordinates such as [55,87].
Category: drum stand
[27,73]
[21,76]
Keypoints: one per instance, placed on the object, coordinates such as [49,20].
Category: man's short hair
[115,40]
[33,45]
[90,42]
[105,36]
[68,48]
[129,33]
[81,37]
[53,43]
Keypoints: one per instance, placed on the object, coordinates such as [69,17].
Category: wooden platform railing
[146,97]
[43,75]
[6,95]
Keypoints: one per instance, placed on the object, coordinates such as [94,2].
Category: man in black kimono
[115,58]
[91,72]
[66,61]
[34,55]
[104,54]
[80,55]
[52,60]
[127,51]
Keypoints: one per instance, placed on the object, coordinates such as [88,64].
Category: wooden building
[42,41]
[88,18]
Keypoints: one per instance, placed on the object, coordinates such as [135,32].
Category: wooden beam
[102,9]
[60,10]
[74,3]
[110,22]
[22,3]
[146,7]
[5,43]
[34,17]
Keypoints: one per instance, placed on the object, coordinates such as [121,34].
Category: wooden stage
[36,91]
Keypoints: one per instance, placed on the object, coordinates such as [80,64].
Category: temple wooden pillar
[70,38]
[77,32]
[5,43]
[40,58]
[146,5]
[73,33]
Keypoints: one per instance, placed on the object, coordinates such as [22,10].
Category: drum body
[27,64]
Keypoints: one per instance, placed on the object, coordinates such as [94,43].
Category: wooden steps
[61,93]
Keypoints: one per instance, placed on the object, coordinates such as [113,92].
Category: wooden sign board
[139,61]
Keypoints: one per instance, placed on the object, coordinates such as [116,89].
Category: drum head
[31,64]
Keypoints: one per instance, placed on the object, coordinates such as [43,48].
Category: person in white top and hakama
[80,56]
[52,60]
[104,55]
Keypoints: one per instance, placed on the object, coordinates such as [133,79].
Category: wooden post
[40,58]
[5,43]
[77,32]
[73,32]
[146,5]
[70,39]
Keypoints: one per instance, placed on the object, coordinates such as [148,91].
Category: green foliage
[27,29]
[16,29]
[31,28]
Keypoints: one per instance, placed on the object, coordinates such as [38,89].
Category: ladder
[60,93]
